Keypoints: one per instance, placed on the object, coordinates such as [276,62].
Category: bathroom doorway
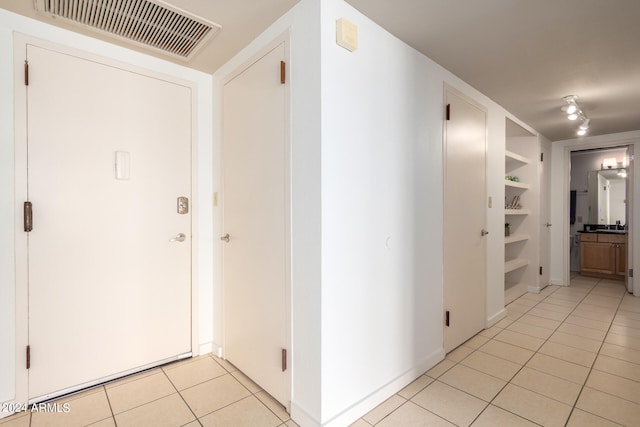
[599,209]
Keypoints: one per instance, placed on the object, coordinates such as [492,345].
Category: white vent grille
[143,21]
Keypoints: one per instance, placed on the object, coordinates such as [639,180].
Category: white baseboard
[357,410]
[535,289]
[205,348]
[302,417]
[496,318]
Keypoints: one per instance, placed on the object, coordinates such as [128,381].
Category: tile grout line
[113,416]
[537,351]
[522,367]
[597,354]
[182,398]
[594,362]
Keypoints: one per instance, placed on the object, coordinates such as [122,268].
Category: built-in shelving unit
[514,264]
[516,238]
[521,206]
[514,184]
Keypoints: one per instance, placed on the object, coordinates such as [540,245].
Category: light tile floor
[569,356]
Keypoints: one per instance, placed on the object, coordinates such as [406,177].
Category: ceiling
[524,54]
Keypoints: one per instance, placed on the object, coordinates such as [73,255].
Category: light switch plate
[346,34]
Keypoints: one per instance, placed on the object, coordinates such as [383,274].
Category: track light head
[585,124]
[574,112]
[570,109]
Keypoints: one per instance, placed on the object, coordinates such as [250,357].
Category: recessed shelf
[515,264]
[516,184]
[510,155]
[517,211]
[516,238]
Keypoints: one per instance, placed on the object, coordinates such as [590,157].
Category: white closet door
[255,208]
[465,192]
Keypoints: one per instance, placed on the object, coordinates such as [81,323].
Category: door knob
[179,238]
[226,238]
[484,232]
[548,224]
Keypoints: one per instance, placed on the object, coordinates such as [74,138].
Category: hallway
[568,356]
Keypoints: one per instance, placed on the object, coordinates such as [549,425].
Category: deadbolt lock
[183,205]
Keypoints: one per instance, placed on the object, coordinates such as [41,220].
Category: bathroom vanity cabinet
[603,255]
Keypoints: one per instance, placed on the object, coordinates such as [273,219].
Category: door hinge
[28,356]
[446,318]
[284,359]
[631,272]
[541,270]
[448,112]
[542,157]
[26,73]
[28,216]
[283,72]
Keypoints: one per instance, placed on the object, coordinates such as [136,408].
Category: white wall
[9,23]
[382,181]
[366,170]
[560,175]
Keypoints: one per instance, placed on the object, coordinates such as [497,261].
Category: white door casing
[109,292]
[256,267]
[464,218]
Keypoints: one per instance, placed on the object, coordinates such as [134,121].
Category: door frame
[20,43]
[633,191]
[283,38]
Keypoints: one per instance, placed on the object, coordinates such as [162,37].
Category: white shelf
[516,184]
[517,211]
[510,155]
[516,238]
[515,264]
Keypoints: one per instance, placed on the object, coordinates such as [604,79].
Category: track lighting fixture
[574,112]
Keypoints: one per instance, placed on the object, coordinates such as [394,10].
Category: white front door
[256,273]
[109,280]
[464,220]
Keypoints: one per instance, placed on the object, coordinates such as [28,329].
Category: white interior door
[255,210]
[545,213]
[464,220]
[109,292]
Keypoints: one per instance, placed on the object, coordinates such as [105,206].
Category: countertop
[604,231]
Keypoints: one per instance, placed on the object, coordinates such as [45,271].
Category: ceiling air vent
[149,23]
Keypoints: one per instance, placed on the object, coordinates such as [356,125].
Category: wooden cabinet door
[597,257]
[621,260]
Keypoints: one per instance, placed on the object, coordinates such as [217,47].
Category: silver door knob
[226,238]
[484,232]
[179,238]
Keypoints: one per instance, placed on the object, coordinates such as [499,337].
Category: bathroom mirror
[607,196]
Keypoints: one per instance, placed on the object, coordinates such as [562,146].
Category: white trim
[607,141]
[496,318]
[355,411]
[206,348]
